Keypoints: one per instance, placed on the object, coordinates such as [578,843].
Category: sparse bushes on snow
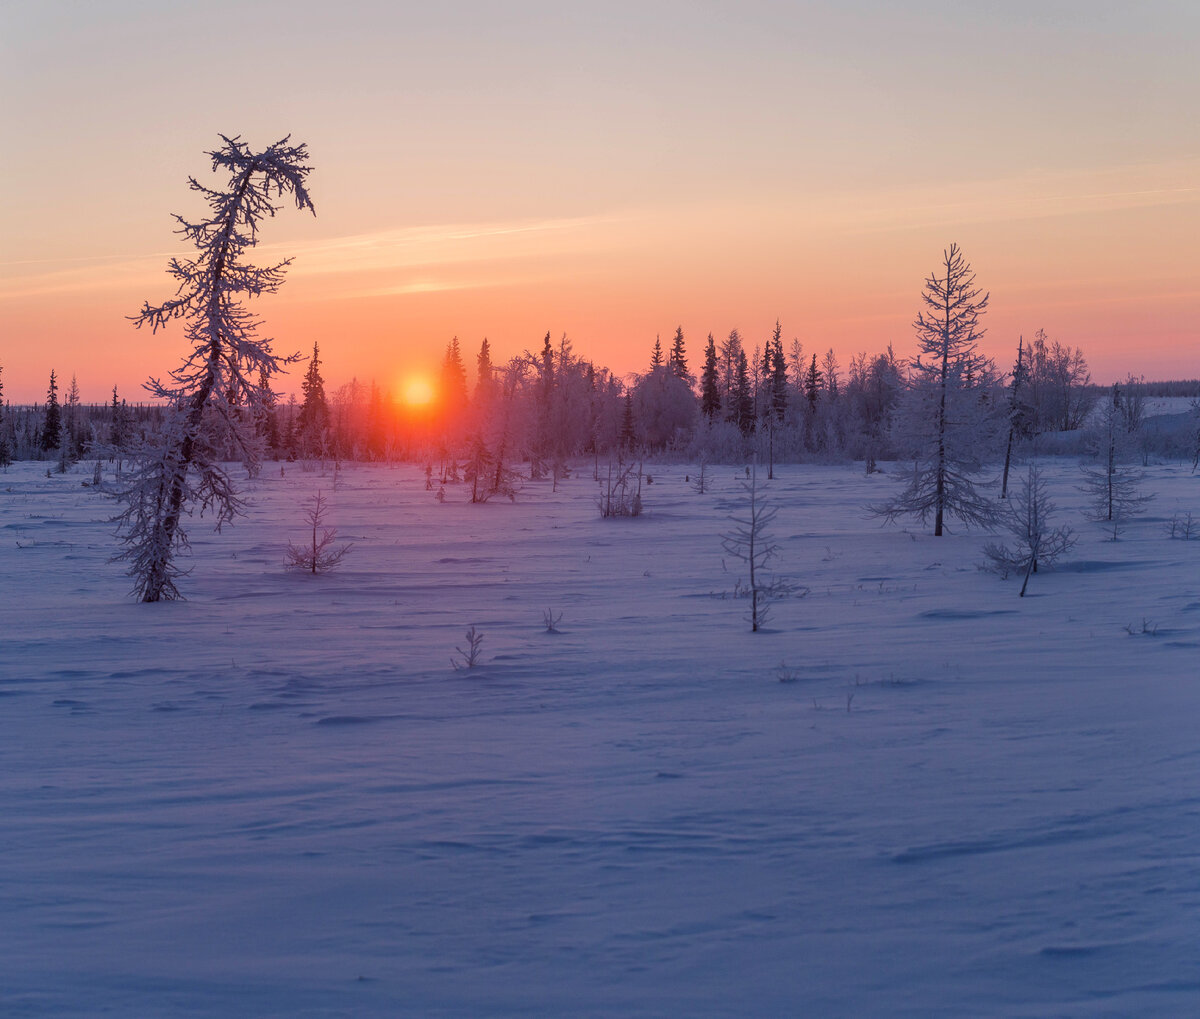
[621,491]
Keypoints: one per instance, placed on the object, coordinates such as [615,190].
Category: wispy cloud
[446,244]
[398,251]
[433,286]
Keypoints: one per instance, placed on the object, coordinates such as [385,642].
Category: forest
[546,406]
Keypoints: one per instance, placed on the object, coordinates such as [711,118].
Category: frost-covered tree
[318,554]
[628,427]
[945,424]
[1113,485]
[664,407]
[483,374]
[1027,517]
[477,470]
[813,380]
[750,541]
[177,470]
[831,372]
[454,385]
[741,396]
[1059,385]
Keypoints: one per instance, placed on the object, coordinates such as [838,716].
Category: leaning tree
[944,419]
[225,377]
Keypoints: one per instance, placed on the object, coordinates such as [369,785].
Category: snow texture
[279,798]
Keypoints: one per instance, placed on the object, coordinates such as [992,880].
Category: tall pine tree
[656,356]
[812,384]
[679,366]
[742,397]
[779,380]
[483,372]
[314,411]
[454,385]
[710,393]
[52,425]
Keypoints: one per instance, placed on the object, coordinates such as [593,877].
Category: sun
[418,392]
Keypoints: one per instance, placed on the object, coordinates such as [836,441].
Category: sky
[608,171]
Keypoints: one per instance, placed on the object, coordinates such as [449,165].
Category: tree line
[550,404]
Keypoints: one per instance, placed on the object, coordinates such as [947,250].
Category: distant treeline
[544,406]
[1189,388]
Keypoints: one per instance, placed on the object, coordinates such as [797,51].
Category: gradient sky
[609,171]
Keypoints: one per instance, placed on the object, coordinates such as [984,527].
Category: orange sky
[610,174]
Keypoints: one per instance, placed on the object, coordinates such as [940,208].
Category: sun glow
[418,392]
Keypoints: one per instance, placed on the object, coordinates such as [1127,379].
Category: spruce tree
[656,357]
[483,372]
[812,384]
[742,403]
[779,381]
[266,422]
[628,431]
[314,411]
[118,423]
[52,425]
[454,382]
[710,394]
[679,366]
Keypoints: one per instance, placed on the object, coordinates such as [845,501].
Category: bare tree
[751,542]
[1027,517]
[178,471]
[945,417]
[318,554]
[1112,483]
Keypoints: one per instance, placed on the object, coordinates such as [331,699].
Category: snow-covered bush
[621,491]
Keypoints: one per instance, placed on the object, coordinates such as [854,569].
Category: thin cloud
[397,250]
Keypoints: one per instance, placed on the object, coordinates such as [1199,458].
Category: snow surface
[278,798]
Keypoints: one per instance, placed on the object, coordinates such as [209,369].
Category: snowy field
[278,798]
